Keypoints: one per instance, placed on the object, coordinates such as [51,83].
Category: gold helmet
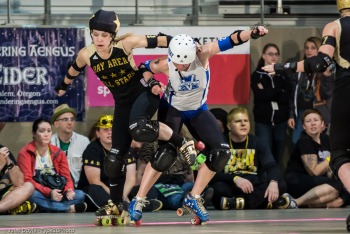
[105,121]
[343,4]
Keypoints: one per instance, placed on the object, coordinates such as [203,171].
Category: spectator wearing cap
[93,180]
[72,143]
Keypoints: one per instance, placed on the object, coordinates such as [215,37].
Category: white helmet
[182,49]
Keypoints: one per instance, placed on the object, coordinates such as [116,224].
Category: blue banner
[32,62]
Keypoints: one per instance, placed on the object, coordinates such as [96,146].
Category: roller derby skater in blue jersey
[184,102]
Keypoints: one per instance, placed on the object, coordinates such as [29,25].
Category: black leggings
[202,126]
[145,105]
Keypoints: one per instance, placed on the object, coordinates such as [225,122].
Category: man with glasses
[72,143]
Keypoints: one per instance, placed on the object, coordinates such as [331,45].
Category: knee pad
[218,158]
[114,164]
[164,157]
[338,158]
[144,130]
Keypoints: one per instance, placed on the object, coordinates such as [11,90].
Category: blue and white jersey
[187,90]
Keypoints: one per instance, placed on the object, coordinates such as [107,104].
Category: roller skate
[112,214]
[200,159]
[285,201]
[26,207]
[234,203]
[194,205]
[189,152]
[135,209]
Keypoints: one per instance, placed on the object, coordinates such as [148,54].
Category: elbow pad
[318,63]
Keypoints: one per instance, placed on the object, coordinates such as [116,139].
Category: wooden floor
[166,222]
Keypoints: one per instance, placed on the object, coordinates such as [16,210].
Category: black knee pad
[144,130]
[338,158]
[164,157]
[218,158]
[114,164]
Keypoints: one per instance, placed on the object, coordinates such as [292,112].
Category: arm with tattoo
[312,166]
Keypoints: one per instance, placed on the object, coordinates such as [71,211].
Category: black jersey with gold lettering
[119,73]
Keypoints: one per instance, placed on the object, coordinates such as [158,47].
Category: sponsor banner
[32,62]
[230,70]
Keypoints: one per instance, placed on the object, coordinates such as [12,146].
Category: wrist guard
[152,40]
[288,67]
[62,86]
[153,82]
[255,33]
[168,39]
[145,67]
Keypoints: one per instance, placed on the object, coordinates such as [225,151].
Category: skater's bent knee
[164,157]
[218,159]
[144,130]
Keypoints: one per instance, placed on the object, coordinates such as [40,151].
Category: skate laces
[140,203]
[189,152]
[199,201]
[200,204]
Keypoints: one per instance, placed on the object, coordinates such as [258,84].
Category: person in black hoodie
[251,178]
[272,94]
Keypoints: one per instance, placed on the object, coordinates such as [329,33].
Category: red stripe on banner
[230,79]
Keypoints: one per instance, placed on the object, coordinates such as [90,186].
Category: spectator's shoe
[195,205]
[153,206]
[25,208]
[189,152]
[80,207]
[234,203]
[109,209]
[285,201]
[208,196]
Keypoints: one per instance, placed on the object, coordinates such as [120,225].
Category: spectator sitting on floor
[70,142]
[14,192]
[308,175]
[45,161]
[251,179]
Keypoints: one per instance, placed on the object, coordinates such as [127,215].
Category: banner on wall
[32,62]
[230,70]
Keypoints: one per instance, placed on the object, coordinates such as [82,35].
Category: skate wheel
[115,221]
[106,221]
[138,223]
[201,158]
[180,212]
[196,221]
